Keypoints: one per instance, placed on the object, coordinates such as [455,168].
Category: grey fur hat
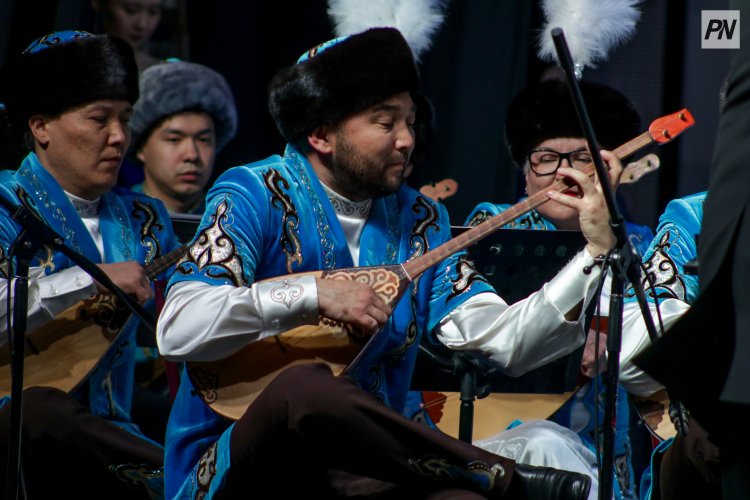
[173,87]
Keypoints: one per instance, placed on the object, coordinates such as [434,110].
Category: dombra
[654,412]
[230,385]
[495,412]
[63,352]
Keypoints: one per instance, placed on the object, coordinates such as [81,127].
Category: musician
[541,124]
[336,198]
[183,118]
[542,134]
[73,93]
[717,394]
[686,465]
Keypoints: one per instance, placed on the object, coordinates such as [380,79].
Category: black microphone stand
[34,235]
[624,262]
[470,373]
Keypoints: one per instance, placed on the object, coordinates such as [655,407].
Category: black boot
[546,483]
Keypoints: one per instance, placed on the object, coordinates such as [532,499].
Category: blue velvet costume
[578,413]
[673,246]
[198,209]
[272,218]
[134,227]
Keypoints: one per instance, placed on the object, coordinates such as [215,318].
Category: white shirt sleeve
[49,295]
[529,333]
[202,322]
[635,339]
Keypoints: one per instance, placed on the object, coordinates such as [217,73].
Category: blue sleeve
[482,212]
[228,244]
[454,281]
[673,246]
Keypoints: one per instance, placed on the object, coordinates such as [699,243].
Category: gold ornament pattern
[106,311]
[290,242]
[214,247]
[384,282]
[149,239]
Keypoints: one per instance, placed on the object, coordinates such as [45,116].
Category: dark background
[483,54]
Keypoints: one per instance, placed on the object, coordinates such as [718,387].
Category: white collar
[85,208]
[346,207]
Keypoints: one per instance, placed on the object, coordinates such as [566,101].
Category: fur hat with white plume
[591,28]
[373,58]
[417,20]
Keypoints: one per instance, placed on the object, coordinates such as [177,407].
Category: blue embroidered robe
[579,412]
[673,246]
[272,218]
[639,236]
[134,227]
[198,209]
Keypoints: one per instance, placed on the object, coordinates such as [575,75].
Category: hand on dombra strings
[593,214]
[590,356]
[352,302]
[129,276]
[614,168]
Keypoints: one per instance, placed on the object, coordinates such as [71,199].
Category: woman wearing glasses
[543,134]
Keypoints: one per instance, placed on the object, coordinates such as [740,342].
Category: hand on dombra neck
[129,276]
[352,302]
[593,213]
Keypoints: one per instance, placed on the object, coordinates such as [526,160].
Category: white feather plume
[417,20]
[591,28]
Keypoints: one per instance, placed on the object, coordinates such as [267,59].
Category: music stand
[185,225]
[516,262]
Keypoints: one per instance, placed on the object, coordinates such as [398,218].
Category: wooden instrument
[493,413]
[440,190]
[496,411]
[230,385]
[633,172]
[654,412]
[63,351]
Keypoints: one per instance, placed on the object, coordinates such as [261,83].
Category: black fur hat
[340,78]
[545,110]
[67,69]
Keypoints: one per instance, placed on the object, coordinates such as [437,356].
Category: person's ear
[320,140]
[38,125]
[141,156]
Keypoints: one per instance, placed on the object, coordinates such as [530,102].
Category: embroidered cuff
[287,303]
[59,291]
[572,285]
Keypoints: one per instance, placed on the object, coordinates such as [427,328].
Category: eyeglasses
[545,161]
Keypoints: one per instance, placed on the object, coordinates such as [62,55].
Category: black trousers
[313,434]
[67,452]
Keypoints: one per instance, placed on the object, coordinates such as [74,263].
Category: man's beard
[357,176]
